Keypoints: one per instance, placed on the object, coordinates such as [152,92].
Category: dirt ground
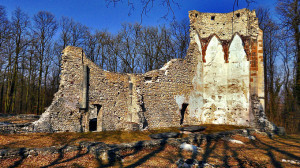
[38,140]
[261,152]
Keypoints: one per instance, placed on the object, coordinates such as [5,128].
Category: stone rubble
[233,141]
[112,150]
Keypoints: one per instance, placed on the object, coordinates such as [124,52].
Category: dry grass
[109,137]
[262,152]
[210,128]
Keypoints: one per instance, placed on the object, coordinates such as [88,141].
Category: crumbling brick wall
[211,85]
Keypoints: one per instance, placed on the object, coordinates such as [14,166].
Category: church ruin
[220,81]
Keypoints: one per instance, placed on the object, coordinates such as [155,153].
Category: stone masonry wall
[63,113]
[213,84]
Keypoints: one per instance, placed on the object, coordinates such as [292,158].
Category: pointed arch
[206,41]
[197,40]
[214,49]
[245,43]
[233,36]
[236,49]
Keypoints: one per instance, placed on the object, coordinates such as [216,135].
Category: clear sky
[97,15]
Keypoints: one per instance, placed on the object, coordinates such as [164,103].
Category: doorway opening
[182,112]
[93,117]
[93,124]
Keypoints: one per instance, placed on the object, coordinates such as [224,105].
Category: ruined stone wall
[225,25]
[110,92]
[63,113]
[211,85]
[166,92]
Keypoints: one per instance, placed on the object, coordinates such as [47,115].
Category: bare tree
[148,48]
[271,46]
[147,5]
[90,45]
[290,52]
[290,18]
[19,26]
[102,47]
[66,27]
[78,32]
[181,37]
[4,38]
[4,27]
[130,34]
[115,50]
[56,66]
[168,50]
[45,27]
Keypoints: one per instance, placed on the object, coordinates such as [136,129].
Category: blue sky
[97,15]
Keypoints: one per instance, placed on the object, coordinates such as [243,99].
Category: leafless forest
[30,50]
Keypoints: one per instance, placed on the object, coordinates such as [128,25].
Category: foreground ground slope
[257,151]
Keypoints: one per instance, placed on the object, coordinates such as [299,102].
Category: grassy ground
[109,137]
[261,152]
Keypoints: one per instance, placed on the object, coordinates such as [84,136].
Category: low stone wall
[15,128]
[9,127]
[21,116]
[100,149]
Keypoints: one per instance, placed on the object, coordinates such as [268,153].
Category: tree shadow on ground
[233,154]
[281,138]
[209,148]
[60,157]
[284,143]
[229,153]
[137,147]
[19,162]
[270,147]
[114,159]
[62,152]
[297,140]
[148,156]
[226,156]
[241,163]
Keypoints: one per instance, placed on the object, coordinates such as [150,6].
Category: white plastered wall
[215,84]
[196,97]
[238,83]
[225,85]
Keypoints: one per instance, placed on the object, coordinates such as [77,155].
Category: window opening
[182,112]
[148,78]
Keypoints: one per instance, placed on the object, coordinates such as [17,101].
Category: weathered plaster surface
[215,84]
[238,83]
[196,96]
